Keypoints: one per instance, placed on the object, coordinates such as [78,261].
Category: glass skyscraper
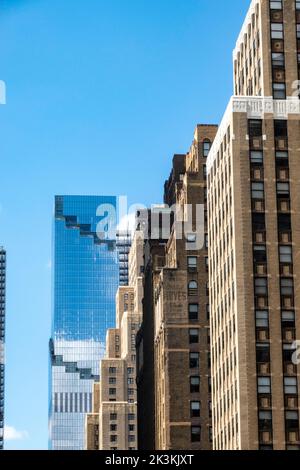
[2,340]
[85,280]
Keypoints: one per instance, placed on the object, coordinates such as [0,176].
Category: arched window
[206,147]
[193,288]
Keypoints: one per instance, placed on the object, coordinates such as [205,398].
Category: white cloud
[11,434]
[49,264]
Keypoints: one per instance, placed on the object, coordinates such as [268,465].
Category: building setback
[254,226]
[2,341]
[85,282]
[112,425]
[177,317]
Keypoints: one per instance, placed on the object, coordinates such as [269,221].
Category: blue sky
[100,95]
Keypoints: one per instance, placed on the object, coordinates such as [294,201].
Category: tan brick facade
[253,213]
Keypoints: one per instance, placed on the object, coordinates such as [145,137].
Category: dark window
[194,360]
[196,434]
[194,335]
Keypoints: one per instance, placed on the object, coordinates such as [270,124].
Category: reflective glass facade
[85,281]
[2,340]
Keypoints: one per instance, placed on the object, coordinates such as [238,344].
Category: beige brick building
[180,317]
[113,423]
[254,238]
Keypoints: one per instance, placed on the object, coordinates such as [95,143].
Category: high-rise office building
[85,282]
[2,341]
[175,332]
[253,212]
[112,425]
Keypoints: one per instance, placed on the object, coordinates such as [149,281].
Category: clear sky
[100,95]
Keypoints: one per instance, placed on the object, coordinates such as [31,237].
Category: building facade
[85,281]
[2,341]
[253,212]
[112,425]
[123,243]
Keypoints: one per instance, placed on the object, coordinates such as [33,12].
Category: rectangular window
[131,417]
[277,30]
[192,263]
[279,91]
[195,409]
[256,157]
[278,59]
[257,190]
[287,287]
[193,311]
[290,385]
[112,391]
[195,384]
[113,416]
[276,5]
[283,189]
[262,318]
[113,427]
[285,254]
[261,286]
[195,433]
[131,427]
[112,370]
[112,380]
[194,335]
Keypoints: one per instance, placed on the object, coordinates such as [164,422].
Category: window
[131,417]
[262,318]
[290,385]
[131,427]
[261,286]
[113,416]
[193,311]
[194,335]
[283,189]
[281,154]
[194,360]
[206,148]
[277,30]
[259,253]
[130,391]
[131,438]
[288,319]
[112,370]
[257,190]
[279,92]
[264,385]
[285,254]
[263,353]
[256,157]
[113,427]
[130,381]
[278,59]
[195,384]
[192,263]
[130,370]
[265,420]
[113,438]
[193,288]
[195,433]
[195,409]
[112,380]
[286,287]
[276,5]
[112,391]
[292,420]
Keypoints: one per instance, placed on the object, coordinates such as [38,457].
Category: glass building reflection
[85,281]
